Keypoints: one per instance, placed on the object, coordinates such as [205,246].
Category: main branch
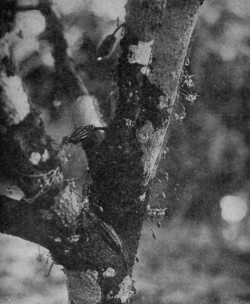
[97,240]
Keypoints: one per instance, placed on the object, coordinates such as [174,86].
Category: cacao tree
[94,239]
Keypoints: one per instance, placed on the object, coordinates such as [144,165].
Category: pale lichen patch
[163,102]
[4,47]
[8,189]
[83,287]
[126,289]
[74,238]
[45,156]
[150,141]
[151,152]
[58,240]
[144,133]
[142,197]
[141,53]
[109,273]
[46,215]
[145,70]
[16,100]
[35,158]
[66,208]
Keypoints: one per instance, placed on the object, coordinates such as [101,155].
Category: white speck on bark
[142,197]
[35,158]
[109,273]
[45,156]
[141,53]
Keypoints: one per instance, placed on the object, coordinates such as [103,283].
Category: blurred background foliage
[202,252]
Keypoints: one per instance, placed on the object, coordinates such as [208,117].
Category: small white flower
[192,97]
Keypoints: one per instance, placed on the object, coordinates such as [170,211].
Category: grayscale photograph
[124,152]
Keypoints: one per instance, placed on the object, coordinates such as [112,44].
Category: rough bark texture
[98,249]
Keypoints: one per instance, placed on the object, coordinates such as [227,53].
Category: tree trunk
[96,241]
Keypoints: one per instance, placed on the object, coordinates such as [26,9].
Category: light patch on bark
[16,100]
[45,155]
[150,154]
[28,2]
[47,59]
[126,290]
[4,46]
[46,215]
[109,273]
[163,103]
[35,158]
[145,132]
[83,287]
[150,142]
[8,189]
[141,53]
[142,197]
[74,238]
[67,208]
[145,70]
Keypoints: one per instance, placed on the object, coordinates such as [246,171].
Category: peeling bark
[96,240]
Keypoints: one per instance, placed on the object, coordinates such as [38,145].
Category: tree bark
[96,240]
